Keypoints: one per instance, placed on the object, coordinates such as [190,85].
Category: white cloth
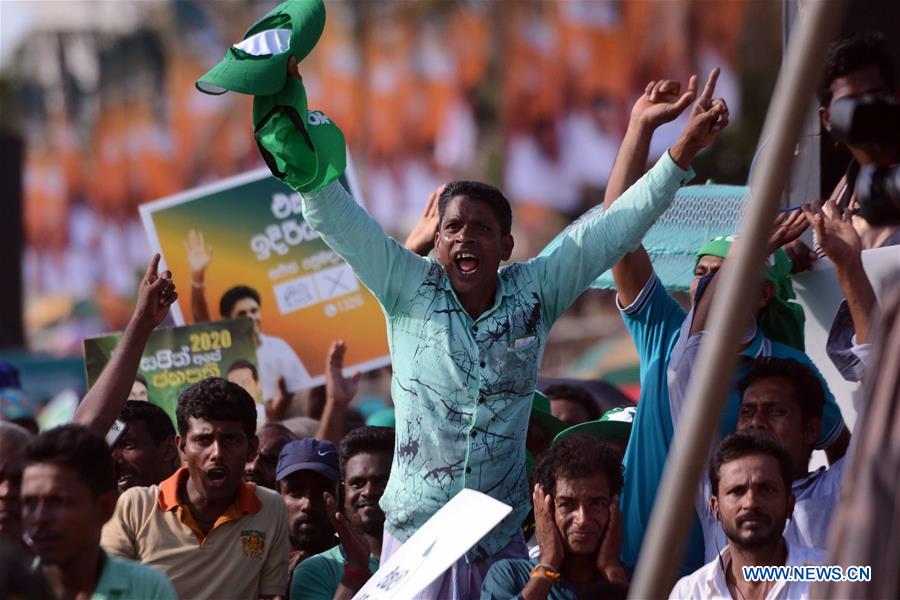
[708,582]
[278,359]
[816,497]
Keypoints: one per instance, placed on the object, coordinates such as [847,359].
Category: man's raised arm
[661,102]
[104,402]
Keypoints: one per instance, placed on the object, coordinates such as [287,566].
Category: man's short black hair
[77,448]
[576,456]
[231,297]
[807,389]
[155,419]
[577,394]
[366,439]
[854,53]
[142,379]
[243,363]
[751,442]
[482,192]
[216,399]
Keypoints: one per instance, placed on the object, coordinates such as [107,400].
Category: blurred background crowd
[529,95]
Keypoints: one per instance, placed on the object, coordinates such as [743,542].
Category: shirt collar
[168,498]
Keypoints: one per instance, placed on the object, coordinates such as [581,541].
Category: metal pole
[710,384]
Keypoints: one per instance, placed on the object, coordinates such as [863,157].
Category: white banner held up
[435,546]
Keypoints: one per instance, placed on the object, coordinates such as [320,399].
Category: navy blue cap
[308,454]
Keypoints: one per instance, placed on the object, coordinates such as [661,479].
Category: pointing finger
[152,268]
[710,86]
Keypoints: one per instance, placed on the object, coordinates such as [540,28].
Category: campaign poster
[256,236]
[178,357]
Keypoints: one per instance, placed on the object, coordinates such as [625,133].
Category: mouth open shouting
[466,262]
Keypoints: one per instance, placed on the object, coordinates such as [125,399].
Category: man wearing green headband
[656,320]
[467,339]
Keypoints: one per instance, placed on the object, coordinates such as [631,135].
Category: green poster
[178,357]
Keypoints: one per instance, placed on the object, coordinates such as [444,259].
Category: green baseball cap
[615,424]
[540,412]
[257,65]
[301,147]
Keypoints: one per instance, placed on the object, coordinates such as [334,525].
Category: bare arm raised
[104,402]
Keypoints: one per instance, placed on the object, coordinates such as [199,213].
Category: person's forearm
[860,296]
[199,307]
[333,421]
[104,402]
[630,163]
[537,588]
[632,272]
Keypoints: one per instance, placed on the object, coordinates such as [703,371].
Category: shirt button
[473,433]
[481,364]
[468,469]
[475,328]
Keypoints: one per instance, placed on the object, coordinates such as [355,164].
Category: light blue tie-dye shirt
[462,387]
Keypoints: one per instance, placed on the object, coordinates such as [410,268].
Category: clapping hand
[834,232]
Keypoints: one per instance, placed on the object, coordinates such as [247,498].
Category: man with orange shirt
[211,533]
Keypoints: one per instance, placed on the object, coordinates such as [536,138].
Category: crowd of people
[124,503]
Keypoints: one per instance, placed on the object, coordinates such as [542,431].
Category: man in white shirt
[750,478]
[784,398]
[277,360]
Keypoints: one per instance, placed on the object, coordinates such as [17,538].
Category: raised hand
[349,530]
[548,538]
[708,117]
[199,255]
[421,239]
[662,102]
[788,227]
[608,555]
[834,232]
[156,293]
[339,389]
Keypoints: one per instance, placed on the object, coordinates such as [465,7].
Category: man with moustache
[261,468]
[340,572]
[68,493]
[307,470]
[213,534]
[784,398]
[750,476]
[578,528]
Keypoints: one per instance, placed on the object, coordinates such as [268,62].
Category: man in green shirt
[68,493]
[340,572]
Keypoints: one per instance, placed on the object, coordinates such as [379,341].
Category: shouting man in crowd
[212,533]
[466,336]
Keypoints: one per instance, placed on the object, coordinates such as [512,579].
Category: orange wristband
[547,572]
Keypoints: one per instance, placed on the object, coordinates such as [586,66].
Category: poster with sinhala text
[248,232]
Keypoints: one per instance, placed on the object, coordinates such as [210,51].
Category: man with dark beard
[340,572]
[751,476]
[307,470]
